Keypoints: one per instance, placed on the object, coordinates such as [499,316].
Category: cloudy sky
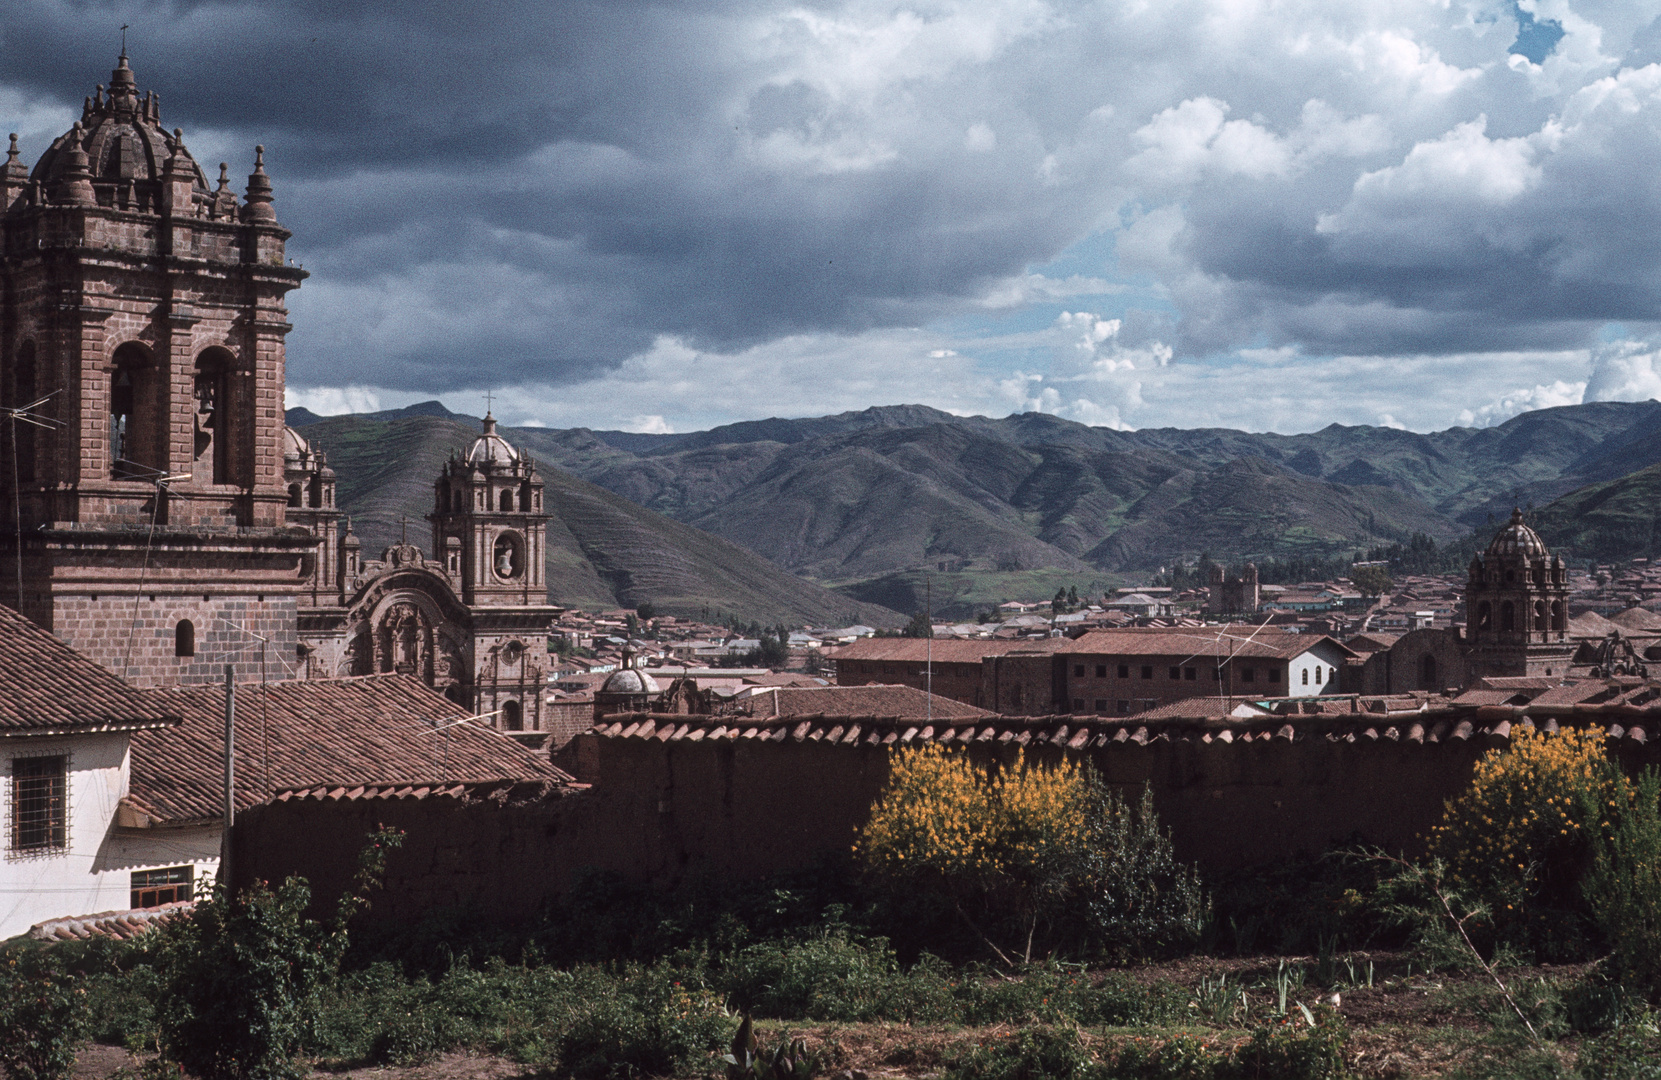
[1268,215]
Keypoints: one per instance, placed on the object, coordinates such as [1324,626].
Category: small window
[40,804]
[153,888]
[1078,671]
[507,500]
[1248,674]
[1274,675]
[1306,676]
[1147,671]
[1191,674]
[1176,672]
[1101,671]
[294,495]
[1317,675]
[1148,703]
[1124,671]
[1101,705]
[184,638]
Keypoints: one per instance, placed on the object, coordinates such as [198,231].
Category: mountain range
[853,497]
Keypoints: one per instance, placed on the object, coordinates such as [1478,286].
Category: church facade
[159,515]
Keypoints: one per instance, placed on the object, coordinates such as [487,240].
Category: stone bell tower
[143,307]
[490,535]
[1516,606]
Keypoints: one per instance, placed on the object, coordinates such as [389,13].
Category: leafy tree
[1058,602]
[1372,580]
[646,610]
[918,627]
[1623,889]
[1072,598]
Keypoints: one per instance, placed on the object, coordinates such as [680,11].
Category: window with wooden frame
[40,804]
[153,888]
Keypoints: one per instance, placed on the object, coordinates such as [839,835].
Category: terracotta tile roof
[1210,642]
[119,925]
[875,699]
[48,686]
[508,792]
[1427,721]
[946,650]
[376,730]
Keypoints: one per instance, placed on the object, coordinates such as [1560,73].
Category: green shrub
[1623,889]
[1630,1052]
[1033,1053]
[43,1017]
[1141,901]
[643,1024]
[834,977]
[1288,1050]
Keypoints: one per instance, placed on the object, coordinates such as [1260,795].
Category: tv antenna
[26,414]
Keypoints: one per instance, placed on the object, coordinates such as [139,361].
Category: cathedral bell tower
[1516,606]
[142,319]
[488,524]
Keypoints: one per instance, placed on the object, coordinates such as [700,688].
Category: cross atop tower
[403,529]
[489,400]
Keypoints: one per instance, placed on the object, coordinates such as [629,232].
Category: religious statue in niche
[508,561]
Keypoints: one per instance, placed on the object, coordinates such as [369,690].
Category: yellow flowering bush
[1031,844]
[1521,836]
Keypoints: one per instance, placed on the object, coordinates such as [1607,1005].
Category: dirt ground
[1406,1025]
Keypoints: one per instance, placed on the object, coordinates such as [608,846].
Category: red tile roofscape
[377,730]
[46,686]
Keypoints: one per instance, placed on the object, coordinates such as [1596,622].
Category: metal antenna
[26,414]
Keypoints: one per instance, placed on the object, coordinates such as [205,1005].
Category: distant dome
[630,681]
[122,136]
[490,448]
[1518,539]
[295,445]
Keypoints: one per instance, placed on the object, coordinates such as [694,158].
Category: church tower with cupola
[1516,606]
[488,522]
[142,325]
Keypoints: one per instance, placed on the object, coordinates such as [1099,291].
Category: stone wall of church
[141,641]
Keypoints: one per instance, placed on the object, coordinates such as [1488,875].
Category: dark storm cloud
[532,192]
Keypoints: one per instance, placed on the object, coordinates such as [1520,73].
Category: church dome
[490,448]
[630,680]
[295,446]
[1518,539]
[122,137]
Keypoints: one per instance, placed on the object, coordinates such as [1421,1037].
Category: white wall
[94,874]
[1303,666]
[34,888]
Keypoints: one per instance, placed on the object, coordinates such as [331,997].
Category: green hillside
[603,550]
[1610,522]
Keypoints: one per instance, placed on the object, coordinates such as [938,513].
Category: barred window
[153,888]
[40,803]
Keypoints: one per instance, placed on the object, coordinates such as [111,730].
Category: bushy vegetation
[1031,856]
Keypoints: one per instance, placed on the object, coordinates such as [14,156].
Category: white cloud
[1524,399]
[1625,371]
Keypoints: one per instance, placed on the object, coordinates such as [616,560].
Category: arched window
[131,431]
[1508,617]
[294,494]
[184,638]
[507,499]
[1558,622]
[512,718]
[525,496]
[1485,616]
[314,494]
[1540,622]
[1317,674]
[1427,672]
[214,427]
[1306,676]
[24,394]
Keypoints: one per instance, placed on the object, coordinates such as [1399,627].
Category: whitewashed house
[65,763]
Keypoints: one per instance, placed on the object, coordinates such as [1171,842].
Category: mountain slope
[1611,522]
[603,550]
[861,495]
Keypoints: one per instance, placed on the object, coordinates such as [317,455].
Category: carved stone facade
[1232,595]
[474,624]
[142,323]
